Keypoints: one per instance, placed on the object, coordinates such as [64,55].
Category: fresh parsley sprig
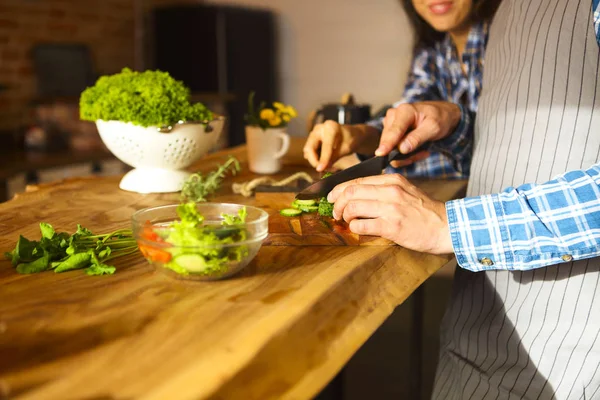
[197,187]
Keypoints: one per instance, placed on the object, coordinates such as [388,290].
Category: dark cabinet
[227,51]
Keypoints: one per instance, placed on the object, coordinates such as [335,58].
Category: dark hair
[426,36]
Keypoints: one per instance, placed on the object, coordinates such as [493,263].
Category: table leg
[416,343]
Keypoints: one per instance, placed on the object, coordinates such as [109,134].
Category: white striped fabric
[533,334]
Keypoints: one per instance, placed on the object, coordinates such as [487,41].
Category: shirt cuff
[478,237]
[482,239]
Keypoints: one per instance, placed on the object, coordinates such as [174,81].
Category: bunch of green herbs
[149,98]
[197,187]
[60,251]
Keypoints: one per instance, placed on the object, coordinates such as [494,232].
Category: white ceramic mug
[265,148]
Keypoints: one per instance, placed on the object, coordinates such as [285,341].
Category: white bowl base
[153,180]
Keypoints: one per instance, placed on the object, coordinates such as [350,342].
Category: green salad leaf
[205,249]
[149,98]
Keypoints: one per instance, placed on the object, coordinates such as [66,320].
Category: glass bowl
[209,251]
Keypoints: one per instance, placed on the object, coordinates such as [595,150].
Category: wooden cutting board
[308,229]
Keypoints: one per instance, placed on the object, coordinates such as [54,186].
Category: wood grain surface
[281,329]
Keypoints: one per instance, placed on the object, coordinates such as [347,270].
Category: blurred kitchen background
[301,52]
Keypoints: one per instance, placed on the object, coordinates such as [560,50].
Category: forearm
[530,226]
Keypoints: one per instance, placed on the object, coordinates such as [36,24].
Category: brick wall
[106,26]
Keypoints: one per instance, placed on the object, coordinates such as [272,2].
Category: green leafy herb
[39,265]
[198,187]
[325,207]
[63,252]
[75,261]
[149,98]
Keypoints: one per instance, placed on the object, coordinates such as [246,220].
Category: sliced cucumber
[306,202]
[191,262]
[290,212]
[308,209]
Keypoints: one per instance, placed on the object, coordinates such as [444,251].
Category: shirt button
[486,261]
[567,258]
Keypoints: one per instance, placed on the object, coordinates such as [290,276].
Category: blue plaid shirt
[437,74]
[530,226]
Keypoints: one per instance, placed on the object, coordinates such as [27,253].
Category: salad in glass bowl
[205,241]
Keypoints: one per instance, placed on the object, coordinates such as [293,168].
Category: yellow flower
[286,117]
[279,106]
[266,114]
[291,111]
[275,121]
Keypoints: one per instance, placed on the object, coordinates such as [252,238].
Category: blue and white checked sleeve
[530,226]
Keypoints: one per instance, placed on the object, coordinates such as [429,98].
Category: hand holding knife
[372,166]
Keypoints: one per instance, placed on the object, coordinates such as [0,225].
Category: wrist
[456,116]
[444,245]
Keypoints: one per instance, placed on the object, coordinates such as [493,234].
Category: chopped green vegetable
[290,212]
[205,249]
[149,98]
[325,208]
[197,187]
[306,202]
[308,209]
[63,252]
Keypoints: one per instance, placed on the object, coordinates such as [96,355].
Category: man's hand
[330,141]
[390,207]
[408,126]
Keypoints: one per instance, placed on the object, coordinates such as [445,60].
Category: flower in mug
[267,114]
[276,117]
[275,121]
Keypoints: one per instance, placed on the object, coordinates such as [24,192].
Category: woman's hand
[330,141]
[408,126]
[391,207]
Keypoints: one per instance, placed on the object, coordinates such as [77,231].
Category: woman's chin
[444,24]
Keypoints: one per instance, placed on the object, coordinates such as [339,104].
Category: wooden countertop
[279,330]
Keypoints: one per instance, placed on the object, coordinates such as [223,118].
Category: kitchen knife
[372,166]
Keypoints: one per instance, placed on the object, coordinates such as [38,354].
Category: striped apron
[533,334]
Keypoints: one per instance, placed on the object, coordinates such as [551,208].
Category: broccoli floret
[325,208]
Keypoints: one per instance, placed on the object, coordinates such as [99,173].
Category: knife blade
[370,167]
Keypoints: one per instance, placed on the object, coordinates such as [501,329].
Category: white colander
[158,155]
